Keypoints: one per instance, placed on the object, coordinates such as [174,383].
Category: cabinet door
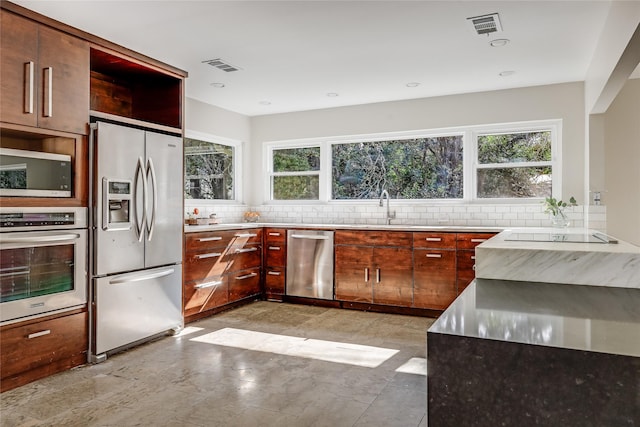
[466,261]
[18,75]
[434,278]
[392,278]
[64,86]
[353,280]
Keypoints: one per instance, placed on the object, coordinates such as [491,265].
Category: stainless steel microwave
[34,174]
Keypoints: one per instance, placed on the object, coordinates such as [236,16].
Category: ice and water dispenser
[116,204]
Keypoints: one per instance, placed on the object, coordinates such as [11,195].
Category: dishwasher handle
[309,236]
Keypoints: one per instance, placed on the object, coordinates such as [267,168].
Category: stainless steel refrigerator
[137,236]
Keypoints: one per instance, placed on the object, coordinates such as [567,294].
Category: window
[419,168]
[514,165]
[296,173]
[210,167]
[514,161]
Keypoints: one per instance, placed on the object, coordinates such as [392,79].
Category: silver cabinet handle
[473,257]
[274,248]
[48,92]
[208,284]
[246,235]
[274,273]
[154,193]
[242,251]
[246,276]
[433,239]
[39,334]
[28,87]
[377,275]
[478,240]
[209,239]
[366,274]
[274,234]
[309,236]
[209,255]
[138,277]
[434,255]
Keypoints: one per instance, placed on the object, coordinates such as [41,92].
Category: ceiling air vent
[486,24]
[221,65]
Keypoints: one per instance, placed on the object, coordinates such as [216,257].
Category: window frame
[237,146]
[470,160]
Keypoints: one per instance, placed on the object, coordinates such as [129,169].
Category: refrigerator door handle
[140,276]
[140,226]
[154,193]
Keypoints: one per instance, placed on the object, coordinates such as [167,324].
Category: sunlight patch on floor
[415,365]
[188,330]
[329,351]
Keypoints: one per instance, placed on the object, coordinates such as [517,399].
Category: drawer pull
[247,235]
[209,239]
[242,251]
[39,334]
[274,273]
[473,257]
[274,234]
[274,248]
[208,284]
[366,274]
[377,275]
[433,239]
[434,255]
[211,255]
[478,240]
[246,276]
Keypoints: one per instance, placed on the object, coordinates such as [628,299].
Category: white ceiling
[292,53]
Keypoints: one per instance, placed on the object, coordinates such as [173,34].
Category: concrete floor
[182,381]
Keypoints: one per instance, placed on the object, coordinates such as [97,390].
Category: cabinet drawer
[275,255]
[274,280]
[28,347]
[434,259]
[246,257]
[434,240]
[203,295]
[471,240]
[243,284]
[216,239]
[215,262]
[275,236]
[373,238]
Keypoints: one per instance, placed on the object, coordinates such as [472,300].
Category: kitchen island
[529,352]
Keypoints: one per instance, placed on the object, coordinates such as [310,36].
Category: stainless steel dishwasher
[310,263]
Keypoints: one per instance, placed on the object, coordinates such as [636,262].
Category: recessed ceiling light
[506,73]
[217,85]
[499,42]
[412,84]
[264,102]
[332,94]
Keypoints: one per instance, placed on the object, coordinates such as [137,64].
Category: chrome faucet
[390,215]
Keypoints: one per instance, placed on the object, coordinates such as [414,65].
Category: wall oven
[43,261]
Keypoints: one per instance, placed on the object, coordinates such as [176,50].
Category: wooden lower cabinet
[204,295]
[375,268]
[38,348]
[434,278]
[275,260]
[244,284]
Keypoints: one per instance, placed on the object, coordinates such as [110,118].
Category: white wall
[622,163]
[561,101]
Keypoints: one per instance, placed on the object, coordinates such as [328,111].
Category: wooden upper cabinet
[44,78]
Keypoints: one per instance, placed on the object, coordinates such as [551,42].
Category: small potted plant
[556,209]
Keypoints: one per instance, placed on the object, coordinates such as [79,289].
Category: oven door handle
[62,237]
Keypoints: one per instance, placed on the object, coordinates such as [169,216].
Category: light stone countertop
[589,318]
[593,264]
[364,227]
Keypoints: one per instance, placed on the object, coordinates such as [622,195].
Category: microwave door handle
[154,193]
[139,225]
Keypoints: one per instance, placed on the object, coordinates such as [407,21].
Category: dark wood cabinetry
[466,257]
[37,348]
[434,270]
[220,267]
[275,260]
[44,76]
[374,267]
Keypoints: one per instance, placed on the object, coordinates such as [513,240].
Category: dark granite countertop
[590,318]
